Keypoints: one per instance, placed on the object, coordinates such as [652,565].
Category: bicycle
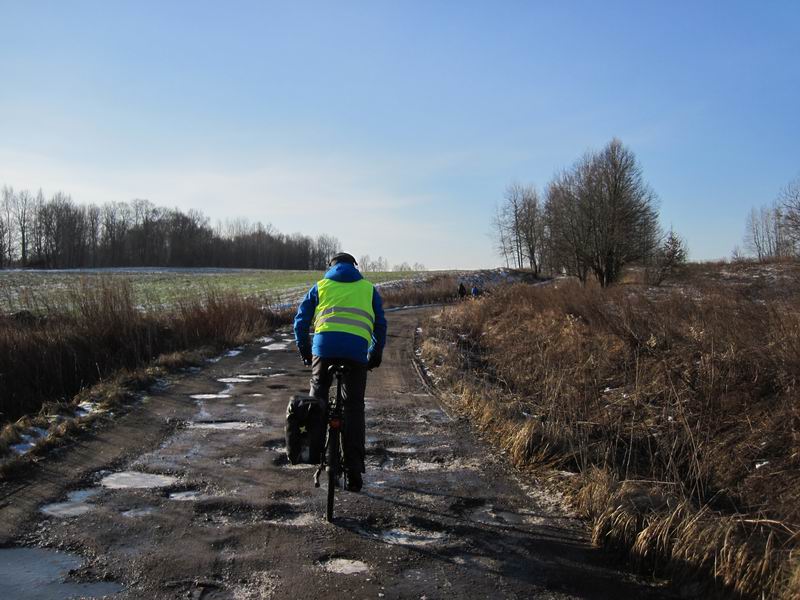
[332,455]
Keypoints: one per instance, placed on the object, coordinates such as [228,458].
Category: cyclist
[349,329]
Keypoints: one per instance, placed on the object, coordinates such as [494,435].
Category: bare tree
[7,216]
[23,205]
[790,203]
[768,232]
[601,216]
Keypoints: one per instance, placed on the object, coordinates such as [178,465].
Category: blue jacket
[338,344]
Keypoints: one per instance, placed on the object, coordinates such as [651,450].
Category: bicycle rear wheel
[333,470]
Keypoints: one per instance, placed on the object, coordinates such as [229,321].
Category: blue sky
[396,126]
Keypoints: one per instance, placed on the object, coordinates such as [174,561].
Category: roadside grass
[677,408]
[436,289]
[54,356]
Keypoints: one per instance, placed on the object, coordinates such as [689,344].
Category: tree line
[57,233]
[773,230]
[592,220]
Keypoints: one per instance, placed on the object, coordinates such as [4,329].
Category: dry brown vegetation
[677,407]
[50,355]
[432,290]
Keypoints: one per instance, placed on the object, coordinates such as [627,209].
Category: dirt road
[440,516]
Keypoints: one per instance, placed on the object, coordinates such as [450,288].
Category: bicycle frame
[332,453]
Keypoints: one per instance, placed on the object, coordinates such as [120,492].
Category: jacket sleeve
[303,318]
[379,331]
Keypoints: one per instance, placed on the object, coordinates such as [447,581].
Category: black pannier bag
[305,430]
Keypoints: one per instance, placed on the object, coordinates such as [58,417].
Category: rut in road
[227,517]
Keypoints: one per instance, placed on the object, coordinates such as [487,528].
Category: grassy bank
[434,289]
[677,409]
[103,330]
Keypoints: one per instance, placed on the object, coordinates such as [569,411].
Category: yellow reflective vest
[345,307]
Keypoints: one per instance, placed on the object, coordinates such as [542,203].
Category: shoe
[354,481]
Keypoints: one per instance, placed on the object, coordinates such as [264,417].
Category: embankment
[672,415]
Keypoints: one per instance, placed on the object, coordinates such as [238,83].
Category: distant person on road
[349,329]
[462,291]
[475,291]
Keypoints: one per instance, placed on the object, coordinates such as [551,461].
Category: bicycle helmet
[342,257]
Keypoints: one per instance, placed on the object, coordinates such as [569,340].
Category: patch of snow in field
[208,396]
[29,439]
[761,463]
[87,408]
[234,380]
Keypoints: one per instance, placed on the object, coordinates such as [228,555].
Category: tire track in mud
[439,516]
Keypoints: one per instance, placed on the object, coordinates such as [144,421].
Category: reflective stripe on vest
[345,307]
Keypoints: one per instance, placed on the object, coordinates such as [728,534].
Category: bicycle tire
[333,471]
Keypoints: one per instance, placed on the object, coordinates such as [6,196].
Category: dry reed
[678,407]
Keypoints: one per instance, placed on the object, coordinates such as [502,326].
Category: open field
[671,412]
[43,291]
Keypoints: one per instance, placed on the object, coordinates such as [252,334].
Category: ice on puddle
[277,346]
[344,566]
[136,480]
[75,505]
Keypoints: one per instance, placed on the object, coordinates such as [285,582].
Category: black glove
[305,355]
[374,359]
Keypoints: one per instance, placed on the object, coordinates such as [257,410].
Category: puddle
[407,537]
[491,515]
[419,466]
[234,352]
[209,396]
[276,346]
[250,377]
[301,520]
[401,450]
[40,574]
[234,380]
[203,413]
[134,513]
[136,480]
[344,566]
[74,506]
[224,425]
[187,496]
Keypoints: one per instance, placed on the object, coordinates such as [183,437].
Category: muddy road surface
[189,495]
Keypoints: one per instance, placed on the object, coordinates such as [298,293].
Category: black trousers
[354,385]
